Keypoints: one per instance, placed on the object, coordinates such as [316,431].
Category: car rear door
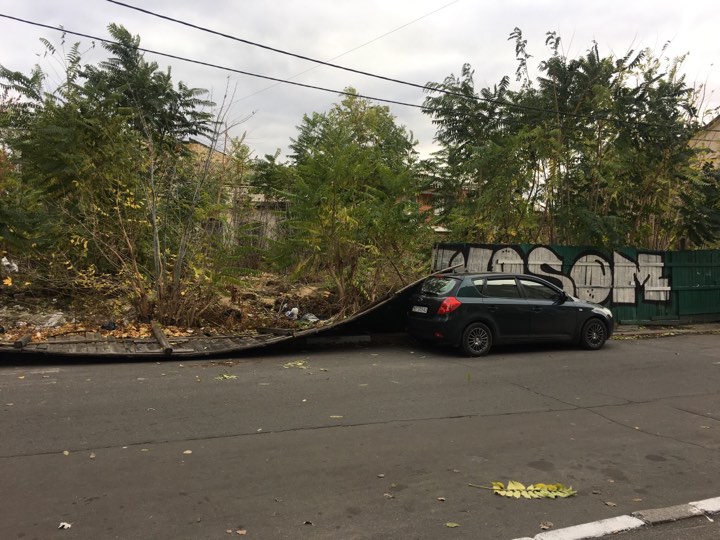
[505,305]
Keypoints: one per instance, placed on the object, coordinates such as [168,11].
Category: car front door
[551,315]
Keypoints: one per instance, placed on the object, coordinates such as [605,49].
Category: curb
[642,518]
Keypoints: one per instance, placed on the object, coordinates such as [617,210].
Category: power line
[216,66]
[338,92]
[423,87]
[373,40]
[268,47]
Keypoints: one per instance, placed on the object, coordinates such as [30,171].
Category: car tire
[476,340]
[593,335]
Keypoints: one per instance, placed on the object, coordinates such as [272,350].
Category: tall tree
[106,155]
[593,151]
[352,204]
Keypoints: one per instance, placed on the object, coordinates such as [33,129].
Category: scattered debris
[9,265]
[301,364]
[546,525]
[92,455]
[64,525]
[610,503]
[187,452]
[388,495]
[225,377]
[452,525]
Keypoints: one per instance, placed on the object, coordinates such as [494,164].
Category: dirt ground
[264,301]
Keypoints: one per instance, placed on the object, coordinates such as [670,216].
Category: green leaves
[352,199]
[592,150]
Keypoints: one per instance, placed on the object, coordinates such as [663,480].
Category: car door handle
[492,308]
[536,309]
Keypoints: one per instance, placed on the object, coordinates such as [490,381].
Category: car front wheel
[476,340]
[594,334]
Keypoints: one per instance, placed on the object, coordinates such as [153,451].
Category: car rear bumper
[435,329]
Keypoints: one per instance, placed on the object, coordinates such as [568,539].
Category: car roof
[461,275]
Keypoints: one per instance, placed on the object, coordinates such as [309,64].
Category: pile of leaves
[517,490]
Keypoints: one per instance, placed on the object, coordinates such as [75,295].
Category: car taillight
[449,305]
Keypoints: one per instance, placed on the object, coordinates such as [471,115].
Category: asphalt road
[344,443]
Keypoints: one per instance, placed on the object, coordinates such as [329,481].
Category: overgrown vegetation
[594,151]
[113,182]
[353,207]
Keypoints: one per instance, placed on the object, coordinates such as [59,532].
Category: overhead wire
[334,91]
[373,40]
[423,87]
[267,47]
[216,66]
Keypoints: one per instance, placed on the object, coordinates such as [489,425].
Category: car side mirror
[563,297]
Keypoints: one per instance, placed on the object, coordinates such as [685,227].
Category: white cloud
[432,48]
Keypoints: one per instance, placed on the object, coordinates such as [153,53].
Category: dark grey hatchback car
[476,311]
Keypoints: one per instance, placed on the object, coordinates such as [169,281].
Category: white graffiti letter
[624,279]
[650,270]
[478,259]
[646,273]
[593,278]
[507,259]
[544,262]
[445,258]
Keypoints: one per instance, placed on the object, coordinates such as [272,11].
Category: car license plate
[420,309]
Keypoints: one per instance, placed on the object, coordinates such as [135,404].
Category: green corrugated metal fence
[640,286]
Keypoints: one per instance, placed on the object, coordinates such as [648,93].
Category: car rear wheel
[476,340]
[594,334]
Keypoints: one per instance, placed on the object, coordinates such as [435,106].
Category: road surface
[356,442]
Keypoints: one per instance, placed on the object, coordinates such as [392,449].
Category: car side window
[501,288]
[468,291]
[538,291]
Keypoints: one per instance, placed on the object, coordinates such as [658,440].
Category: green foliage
[353,211]
[105,159]
[594,151]
[129,84]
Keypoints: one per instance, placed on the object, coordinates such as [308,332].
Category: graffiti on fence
[592,275]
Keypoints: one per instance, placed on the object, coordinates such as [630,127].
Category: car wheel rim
[595,334]
[477,340]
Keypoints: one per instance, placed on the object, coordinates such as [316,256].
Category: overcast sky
[412,40]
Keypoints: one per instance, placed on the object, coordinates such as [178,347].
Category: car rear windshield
[438,286]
